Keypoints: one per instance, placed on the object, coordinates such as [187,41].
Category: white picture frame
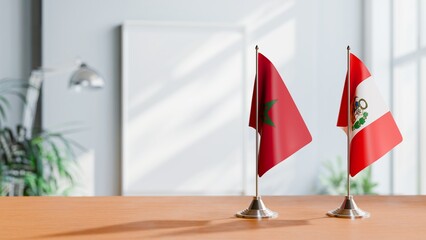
[205,145]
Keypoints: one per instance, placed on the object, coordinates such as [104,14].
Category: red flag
[281,127]
[373,129]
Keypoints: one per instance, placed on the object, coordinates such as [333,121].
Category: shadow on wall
[188,96]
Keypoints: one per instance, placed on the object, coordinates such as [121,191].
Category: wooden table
[301,217]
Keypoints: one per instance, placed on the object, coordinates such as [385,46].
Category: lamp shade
[86,77]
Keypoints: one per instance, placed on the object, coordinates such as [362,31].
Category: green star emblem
[267,107]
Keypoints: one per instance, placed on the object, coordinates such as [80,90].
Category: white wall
[401,79]
[15,47]
[306,40]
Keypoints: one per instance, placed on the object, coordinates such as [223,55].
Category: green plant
[334,180]
[35,166]
[40,164]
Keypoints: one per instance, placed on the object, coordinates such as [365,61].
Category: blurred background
[172,116]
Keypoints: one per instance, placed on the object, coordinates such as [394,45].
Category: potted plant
[40,164]
[334,179]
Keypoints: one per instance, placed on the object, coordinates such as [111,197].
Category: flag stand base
[349,209]
[257,209]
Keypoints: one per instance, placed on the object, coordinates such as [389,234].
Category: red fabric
[374,141]
[359,73]
[289,133]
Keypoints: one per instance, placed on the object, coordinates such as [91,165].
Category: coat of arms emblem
[359,113]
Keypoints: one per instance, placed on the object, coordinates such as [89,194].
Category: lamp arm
[48,70]
[32,96]
[82,77]
[33,93]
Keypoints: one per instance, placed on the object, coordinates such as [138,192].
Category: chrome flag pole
[348,209]
[257,208]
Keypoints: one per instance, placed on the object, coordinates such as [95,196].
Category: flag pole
[348,209]
[257,208]
[349,122]
[257,121]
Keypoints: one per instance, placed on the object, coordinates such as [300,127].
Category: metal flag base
[349,209]
[257,209]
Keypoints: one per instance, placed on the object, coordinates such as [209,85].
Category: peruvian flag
[281,127]
[373,131]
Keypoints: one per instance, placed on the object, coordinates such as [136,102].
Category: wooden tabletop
[301,217]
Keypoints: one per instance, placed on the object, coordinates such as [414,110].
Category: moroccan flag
[373,130]
[281,126]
